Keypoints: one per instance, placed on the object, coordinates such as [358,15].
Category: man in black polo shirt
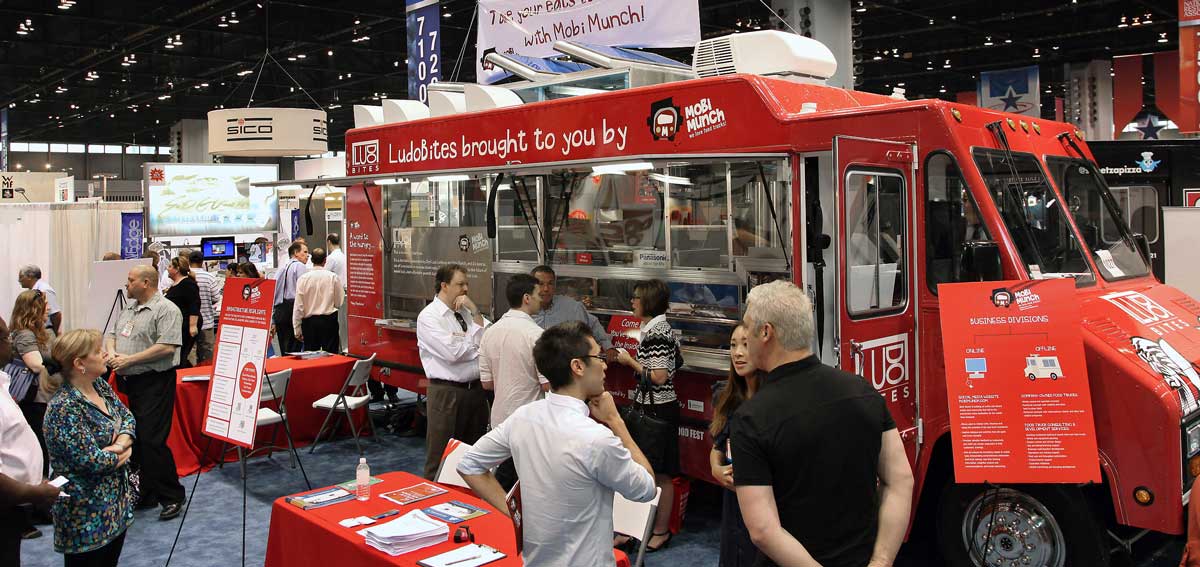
[821,473]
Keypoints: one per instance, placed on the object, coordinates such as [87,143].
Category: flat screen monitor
[185,199]
[976,367]
[219,248]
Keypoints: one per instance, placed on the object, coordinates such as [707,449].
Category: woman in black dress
[736,548]
[185,294]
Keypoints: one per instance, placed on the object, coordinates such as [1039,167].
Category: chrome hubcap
[1008,528]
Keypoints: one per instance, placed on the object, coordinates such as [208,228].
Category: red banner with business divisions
[1017,384]
[243,332]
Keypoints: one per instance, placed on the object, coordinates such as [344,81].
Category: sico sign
[266,131]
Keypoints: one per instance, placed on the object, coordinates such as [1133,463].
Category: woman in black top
[657,360]
[185,294]
[736,548]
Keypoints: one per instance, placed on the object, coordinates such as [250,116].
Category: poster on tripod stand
[106,292]
[243,332]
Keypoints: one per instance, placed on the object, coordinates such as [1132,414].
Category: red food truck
[721,182]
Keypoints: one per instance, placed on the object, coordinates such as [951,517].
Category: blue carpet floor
[212,535]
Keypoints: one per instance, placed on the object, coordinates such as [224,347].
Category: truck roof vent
[766,52]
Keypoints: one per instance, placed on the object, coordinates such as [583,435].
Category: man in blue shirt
[560,309]
[285,296]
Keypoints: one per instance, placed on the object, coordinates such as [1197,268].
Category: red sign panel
[1017,384]
[364,252]
[1191,197]
[625,332]
[231,411]
[1189,81]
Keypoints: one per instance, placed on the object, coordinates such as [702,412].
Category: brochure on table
[231,411]
[1017,383]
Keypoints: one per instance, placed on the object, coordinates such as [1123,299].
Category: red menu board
[1017,384]
[243,332]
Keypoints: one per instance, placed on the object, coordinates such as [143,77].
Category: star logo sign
[156,174]
[1151,128]
[1010,100]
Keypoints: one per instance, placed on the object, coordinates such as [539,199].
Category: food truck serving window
[1033,216]
[1099,218]
[875,242]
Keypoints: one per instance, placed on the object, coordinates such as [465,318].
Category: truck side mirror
[1143,245]
[983,259]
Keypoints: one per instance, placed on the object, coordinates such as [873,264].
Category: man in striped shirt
[210,299]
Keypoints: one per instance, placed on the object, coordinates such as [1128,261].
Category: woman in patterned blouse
[89,434]
[657,359]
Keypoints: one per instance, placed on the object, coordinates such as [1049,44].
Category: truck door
[876,334]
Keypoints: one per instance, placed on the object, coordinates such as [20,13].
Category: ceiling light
[233,19]
[441,178]
[621,168]
[1123,23]
[988,40]
[244,72]
[946,65]
[943,89]
[1008,41]
[329,53]
[1162,37]
[861,7]
[292,58]
[1037,53]
[300,56]
[446,15]
[178,39]
[357,21]
[65,4]
[223,23]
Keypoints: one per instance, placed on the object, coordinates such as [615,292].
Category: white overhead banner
[264,131]
[530,27]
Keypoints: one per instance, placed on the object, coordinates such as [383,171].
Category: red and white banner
[530,28]
[1017,383]
[231,411]
[1189,80]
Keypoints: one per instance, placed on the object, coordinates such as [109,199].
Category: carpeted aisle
[212,533]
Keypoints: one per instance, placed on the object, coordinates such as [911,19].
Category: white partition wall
[1179,248]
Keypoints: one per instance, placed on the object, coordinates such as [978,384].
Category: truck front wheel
[1033,525]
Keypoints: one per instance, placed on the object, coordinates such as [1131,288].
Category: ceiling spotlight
[292,58]
[357,21]
[1123,23]
[446,15]
[244,72]
[860,7]
[946,65]
[988,40]
[25,27]
[1008,41]
[223,23]
[178,39]
[233,19]
[329,53]
[943,89]
[168,44]
[1162,37]
[300,56]
[1037,53]
[65,4]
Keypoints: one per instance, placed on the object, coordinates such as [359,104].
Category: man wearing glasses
[570,464]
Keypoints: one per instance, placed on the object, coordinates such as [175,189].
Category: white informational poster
[231,411]
[64,190]
[529,27]
[107,292]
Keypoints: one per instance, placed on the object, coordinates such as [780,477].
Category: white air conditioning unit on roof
[767,52]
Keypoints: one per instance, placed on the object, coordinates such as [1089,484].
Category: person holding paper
[143,350]
[90,434]
[570,464]
[21,481]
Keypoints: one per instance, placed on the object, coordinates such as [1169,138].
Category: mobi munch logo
[1001,297]
[364,157]
[1027,299]
[664,120]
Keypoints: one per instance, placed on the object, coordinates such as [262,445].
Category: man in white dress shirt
[319,294]
[506,364]
[569,465]
[448,333]
[335,260]
[21,480]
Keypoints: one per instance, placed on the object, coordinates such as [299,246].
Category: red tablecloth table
[311,380]
[313,537]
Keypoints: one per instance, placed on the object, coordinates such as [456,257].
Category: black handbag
[23,380]
[651,433]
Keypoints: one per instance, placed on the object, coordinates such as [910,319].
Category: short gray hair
[787,308]
[30,271]
[147,273]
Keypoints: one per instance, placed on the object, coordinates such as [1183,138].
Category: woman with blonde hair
[89,433]
[736,548]
[185,294]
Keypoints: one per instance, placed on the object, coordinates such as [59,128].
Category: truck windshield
[1096,212]
[1033,216]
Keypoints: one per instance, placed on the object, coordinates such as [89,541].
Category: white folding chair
[447,472]
[636,520]
[352,396]
[274,387]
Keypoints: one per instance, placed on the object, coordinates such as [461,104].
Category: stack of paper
[409,532]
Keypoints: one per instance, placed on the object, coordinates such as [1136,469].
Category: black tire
[1083,537]
[1032,377]
[1053,376]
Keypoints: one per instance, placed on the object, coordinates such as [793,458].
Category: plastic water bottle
[362,480]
